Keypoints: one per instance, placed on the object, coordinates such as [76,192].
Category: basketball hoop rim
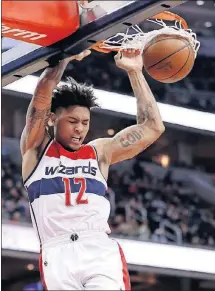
[165,15]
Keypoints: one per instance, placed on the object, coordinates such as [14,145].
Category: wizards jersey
[67,192]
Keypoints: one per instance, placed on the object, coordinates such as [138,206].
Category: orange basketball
[168,58]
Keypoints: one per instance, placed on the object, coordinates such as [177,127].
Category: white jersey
[67,192]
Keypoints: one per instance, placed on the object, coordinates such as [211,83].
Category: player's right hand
[79,57]
[129,60]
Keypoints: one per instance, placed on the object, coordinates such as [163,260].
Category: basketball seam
[168,55]
[178,70]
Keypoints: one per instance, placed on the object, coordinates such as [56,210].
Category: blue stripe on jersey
[56,185]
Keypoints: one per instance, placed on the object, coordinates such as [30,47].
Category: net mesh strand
[139,39]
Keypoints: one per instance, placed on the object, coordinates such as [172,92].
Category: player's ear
[52,119]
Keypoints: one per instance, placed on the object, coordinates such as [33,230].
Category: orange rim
[166,15]
[169,16]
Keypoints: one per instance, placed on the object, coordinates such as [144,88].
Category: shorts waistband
[73,237]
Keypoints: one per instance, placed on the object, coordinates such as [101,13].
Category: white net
[135,38]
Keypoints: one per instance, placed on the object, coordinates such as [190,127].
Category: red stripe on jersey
[41,271]
[126,277]
[85,152]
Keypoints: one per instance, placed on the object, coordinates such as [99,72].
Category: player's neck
[66,148]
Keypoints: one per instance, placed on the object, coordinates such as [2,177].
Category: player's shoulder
[100,143]
[102,147]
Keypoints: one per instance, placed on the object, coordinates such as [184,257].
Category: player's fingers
[130,51]
[118,56]
[83,55]
[87,53]
[80,56]
[137,52]
[126,52]
[133,52]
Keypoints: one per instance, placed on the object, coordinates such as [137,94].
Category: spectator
[15,203]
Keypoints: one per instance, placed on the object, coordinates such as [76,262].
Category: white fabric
[54,218]
[93,262]
[51,216]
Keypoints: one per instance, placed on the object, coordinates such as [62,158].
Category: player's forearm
[53,75]
[40,104]
[147,109]
[39,108]
[48,81]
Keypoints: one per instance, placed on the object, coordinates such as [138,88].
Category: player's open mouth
[76,139]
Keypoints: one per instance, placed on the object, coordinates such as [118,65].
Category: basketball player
[66,180]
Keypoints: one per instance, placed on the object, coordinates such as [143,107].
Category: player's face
[72,126]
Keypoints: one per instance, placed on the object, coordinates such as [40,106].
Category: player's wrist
[134,71]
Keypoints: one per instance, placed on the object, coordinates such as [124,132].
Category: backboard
[98,20]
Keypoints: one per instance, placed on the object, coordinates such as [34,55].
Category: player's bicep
[131,141]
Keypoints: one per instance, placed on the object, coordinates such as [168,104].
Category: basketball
[168,58]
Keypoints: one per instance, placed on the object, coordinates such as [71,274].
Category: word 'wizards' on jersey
[50,171]
[67,192]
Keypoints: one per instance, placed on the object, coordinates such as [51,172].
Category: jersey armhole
[97,158]
[37,164]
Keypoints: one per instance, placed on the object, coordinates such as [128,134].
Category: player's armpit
[130,142]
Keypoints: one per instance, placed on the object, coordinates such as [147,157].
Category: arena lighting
[200,2]
[110,131]
[208,24]
[22,238]
[127,104]
[30,267]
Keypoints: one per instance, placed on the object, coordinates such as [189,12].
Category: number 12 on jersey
[79,199]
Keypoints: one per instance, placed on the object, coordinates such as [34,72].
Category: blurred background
[166,195]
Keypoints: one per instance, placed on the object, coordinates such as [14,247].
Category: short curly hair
[71,94]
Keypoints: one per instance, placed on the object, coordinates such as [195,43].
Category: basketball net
[137,39]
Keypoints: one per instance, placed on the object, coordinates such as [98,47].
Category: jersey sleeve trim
[42,155]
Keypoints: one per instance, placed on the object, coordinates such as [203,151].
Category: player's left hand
[129,60]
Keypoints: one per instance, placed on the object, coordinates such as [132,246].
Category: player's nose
[79,128]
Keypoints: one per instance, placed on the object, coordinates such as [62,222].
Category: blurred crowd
[159,210]
[143,207]
[15,205]
[101,71]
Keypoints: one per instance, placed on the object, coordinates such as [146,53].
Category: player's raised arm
[39,108]
[134,139]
